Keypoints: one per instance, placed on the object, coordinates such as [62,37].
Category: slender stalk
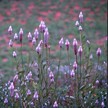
[21,55]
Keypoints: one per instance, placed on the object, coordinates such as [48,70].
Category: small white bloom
[14,54]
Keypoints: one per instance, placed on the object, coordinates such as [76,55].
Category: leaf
[87,75]
[82,87]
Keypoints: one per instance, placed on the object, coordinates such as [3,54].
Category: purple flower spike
[75,65]
[28,92]
[61,42]
[34,41]
[42,26]
[10,30]
[16,96]
[10,43]
[55,105]
[5,101]
[75,43]
[20,34]
[11,88]
[29,37]
[36,96]
[51,76]
[46,36]
[67,43]
[77,23]
[72,74]
[38,49]
[80,50]
[36,34]
[16,36]
[14,54]
[98,52]
[81,17]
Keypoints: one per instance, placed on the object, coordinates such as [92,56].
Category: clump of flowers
[40,84]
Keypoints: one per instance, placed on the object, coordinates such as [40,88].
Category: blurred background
[59,16]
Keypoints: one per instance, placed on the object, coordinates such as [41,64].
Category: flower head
[10,30]
[29,76]
[81,17]
[102,105]
[72,73]
[42,26]
[10,43]
[20,34]
[29,36]
[77,23]
[80,28]
[75,65]
[61,42]
[46,37]
[55,105]
[28,92]
[67,43]
[36,34]
[16,96]
[36,96]
[14,54]
[15,78]
[11,88]
[51,76]
[80,50]
[34,41]
[38,49]
[75,43]
[15,36]
[5,101]
[98,52]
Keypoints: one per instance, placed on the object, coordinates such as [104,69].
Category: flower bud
[20,34]
[40,43]
[42,26]
[35,96]
[10,30]
[98,52]
[91,56]
[29,37]
[51,76]
[15,78]
[34,41]
[77,23]
[75,65]
[80,28]
[81,17]
[46,36]
[28,92]
[15,36]
[67,43]
[102,105]
[80,50]
[72,74]
[29,76]
[11,88]
[36,34]
[61,42]
[5,101]
[96,102]
[16,96]
[55,105]
[14,54]
[75,43]
[38,49]
[10,43]
[97,82]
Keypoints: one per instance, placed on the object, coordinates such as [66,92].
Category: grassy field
[59,16]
